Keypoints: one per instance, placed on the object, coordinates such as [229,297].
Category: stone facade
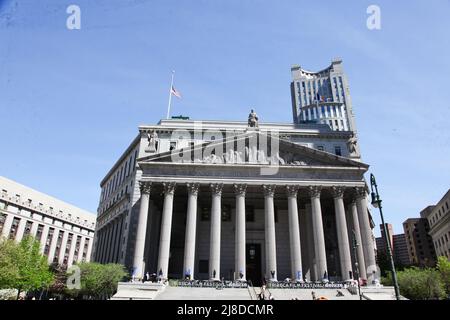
[244,200]
[192,203]
[65,232]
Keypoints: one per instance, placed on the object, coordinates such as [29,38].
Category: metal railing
[250,289]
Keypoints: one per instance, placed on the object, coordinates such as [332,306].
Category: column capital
[269,190]
[145,186]
[314,191]
[240,189]
[216,188]
[292,190]
[193,188]
[337,191]
[169,187]
[360,192]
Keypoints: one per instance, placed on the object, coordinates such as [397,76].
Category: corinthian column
[342,233]
[191,226]
[240,263]
[138,261]
[214,249]
[166,228]
[294,234]
[271,250]
[319,239]
[366,233]
[357,235]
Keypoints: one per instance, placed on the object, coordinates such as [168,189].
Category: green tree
[22,266]
[383,263]
[443,266]
[419,284]
[99,281]
[58,287]
[9,270]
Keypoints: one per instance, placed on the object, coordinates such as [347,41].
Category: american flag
[175,92]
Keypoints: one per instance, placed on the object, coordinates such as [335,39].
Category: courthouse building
[65,232]
[238,200]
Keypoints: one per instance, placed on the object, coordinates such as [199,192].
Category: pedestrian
[263,292]
[313,294]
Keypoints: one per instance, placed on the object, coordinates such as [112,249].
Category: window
[205,214]
[226,213]
[13,230]
[2,221]
[337,150]
[39,232]
[249,213]
[203,266]
[51,232]
[28,228]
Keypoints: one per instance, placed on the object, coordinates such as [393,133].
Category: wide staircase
[158,291]
[182,293]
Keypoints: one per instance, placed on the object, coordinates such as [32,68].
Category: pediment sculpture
[252,156]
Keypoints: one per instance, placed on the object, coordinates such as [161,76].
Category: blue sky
[71,100]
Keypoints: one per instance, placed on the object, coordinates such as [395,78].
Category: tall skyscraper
[322,97]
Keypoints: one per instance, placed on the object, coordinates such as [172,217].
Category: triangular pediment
[252,148]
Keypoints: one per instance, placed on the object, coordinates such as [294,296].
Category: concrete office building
[64,231]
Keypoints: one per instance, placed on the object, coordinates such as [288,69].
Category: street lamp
[376,202]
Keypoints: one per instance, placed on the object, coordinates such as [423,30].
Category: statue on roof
[152,138]
[351,145]
[253,119]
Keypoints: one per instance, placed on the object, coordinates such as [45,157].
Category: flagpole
[170,96]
